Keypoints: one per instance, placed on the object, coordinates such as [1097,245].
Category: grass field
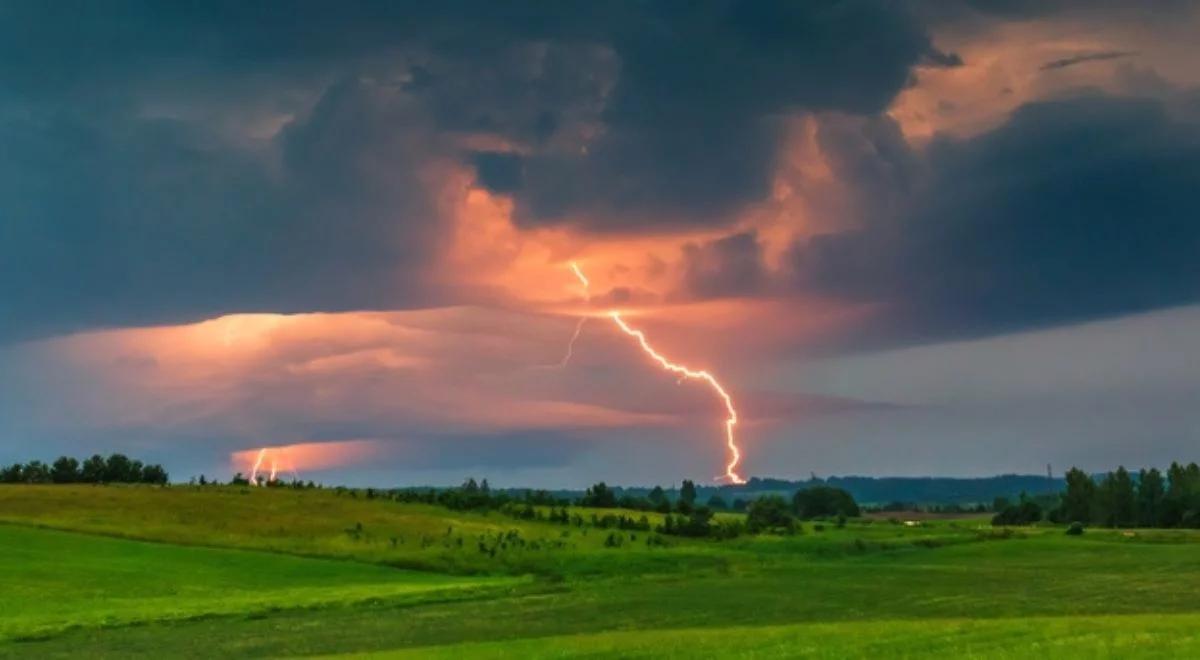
[184,572]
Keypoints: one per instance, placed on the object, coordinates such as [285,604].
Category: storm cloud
[1073,209]
[164,163]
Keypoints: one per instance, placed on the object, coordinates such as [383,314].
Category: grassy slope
[947,581]
[1173,636]
[54,580]
[312,523]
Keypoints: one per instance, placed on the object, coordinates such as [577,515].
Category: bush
[1076,529]
[769,514]
[824,501]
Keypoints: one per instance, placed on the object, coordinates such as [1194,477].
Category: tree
[657,496]
[687,498]
[119,469]
[717,503]
[687,492]
[13,474]
[65,470]
[696,524]
[1078,499]
[824,501]
[599,496]
[769,513]
[154,474]
[239,480]
[1181,506]
[93,470]
[36,472]
[1115,504]
[1026,512]
[1150,493]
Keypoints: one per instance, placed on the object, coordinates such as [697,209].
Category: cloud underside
[164,165]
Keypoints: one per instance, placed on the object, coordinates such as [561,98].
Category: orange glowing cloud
[291,460]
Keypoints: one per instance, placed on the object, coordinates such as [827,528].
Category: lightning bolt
[257,463]
[684,372]
[274,457]
[571,344]
[578,326]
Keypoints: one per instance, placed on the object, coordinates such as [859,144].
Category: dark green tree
[93,470]
[697,523]
[824,501]
[1117,499]
[1182,503]
[119,469]
[36,472]
[1150,493]
[1026,512]
[13,474]
[769,513]
[65,470]
[717,503]
[1079,497]
[687,492]
[154,474]
[599,496]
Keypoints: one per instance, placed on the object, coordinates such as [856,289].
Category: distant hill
[870,490]
[918,490]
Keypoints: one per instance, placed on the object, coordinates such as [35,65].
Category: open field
[251,572]
[53,580]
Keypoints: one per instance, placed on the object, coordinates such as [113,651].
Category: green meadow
[112,571]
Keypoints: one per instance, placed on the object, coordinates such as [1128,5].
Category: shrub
[824,501]
[1075,529]
[769,514]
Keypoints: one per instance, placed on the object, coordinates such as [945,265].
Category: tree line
[117,468]
[683,517]
[1117,499]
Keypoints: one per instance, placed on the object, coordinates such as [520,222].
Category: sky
[906,238]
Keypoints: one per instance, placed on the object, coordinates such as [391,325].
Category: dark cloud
[690,130]
[935,11]
[728,266]
[1073,209]
[498,172]
[114,219]
[144,176]
[1086,57]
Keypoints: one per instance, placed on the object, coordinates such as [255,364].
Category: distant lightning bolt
[578,326]
[571,344]
[731,420]
[257,463]
[274,456]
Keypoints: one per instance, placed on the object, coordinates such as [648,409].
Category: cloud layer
[236,225]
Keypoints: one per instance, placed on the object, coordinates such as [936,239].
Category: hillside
[280,572]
